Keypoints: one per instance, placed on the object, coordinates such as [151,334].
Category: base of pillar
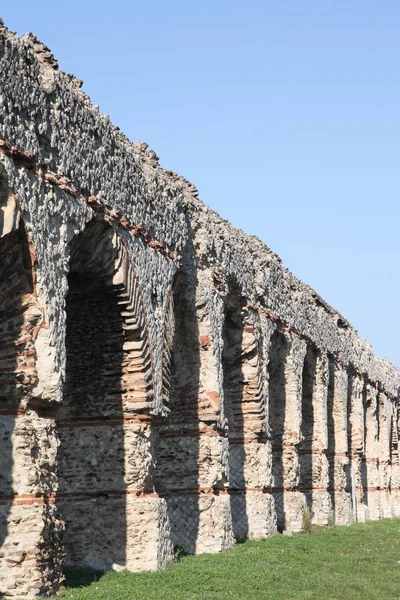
[362,513]
[343,508]
[387,505]
[148,544]
[25,570]
[321,505]
[289,507]
[201,523]
[117,533]
[396,505]
[253,515]
[375,506]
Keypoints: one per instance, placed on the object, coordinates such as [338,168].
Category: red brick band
[29,499]
[103,421]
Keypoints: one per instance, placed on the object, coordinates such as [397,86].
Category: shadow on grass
[76,577]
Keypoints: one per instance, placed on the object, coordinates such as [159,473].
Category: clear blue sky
[285,115]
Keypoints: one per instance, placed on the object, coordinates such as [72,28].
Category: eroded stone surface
[164,380]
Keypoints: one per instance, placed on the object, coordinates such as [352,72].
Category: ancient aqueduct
[164,380]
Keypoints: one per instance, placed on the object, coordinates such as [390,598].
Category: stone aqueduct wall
[164,380]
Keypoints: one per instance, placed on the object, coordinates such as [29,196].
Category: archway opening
[307,425]
[92,487]
[278,352]
[177,475]
[234,383]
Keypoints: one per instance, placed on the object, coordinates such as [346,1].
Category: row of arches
[293,430]
[258,424]
[292,412]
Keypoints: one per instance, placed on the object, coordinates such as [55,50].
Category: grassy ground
[361,562]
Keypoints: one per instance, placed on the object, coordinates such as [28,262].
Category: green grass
[361,562]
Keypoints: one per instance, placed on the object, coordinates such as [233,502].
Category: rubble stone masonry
[164,380]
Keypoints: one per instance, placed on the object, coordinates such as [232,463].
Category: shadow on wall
[307,426]
[279,350]
[233,384]
[356,475]
[349,473]
[177,476]
[369,417]
[331,451]
[92,495]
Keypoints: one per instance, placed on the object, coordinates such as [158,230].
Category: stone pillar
[339,464]
[370,464]
[30,553]
[319,499]
[246,343]
[113,517]
[356,443]
[192,451]
[285,417]
[394,459]
[384,454]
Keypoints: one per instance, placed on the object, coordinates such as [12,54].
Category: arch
[234,386]
[245,413]
[307,424]
[277,391]
[385,445]
[178,476]
[21,318]
[244,405]
[369,464]
[181,361]
[395,462]
[394,436]
[108,395]
[99,266]
[232,368]
[339,483]
[168,342]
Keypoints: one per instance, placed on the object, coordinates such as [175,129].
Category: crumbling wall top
[49,117]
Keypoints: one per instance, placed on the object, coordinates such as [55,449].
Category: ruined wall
[165,381]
